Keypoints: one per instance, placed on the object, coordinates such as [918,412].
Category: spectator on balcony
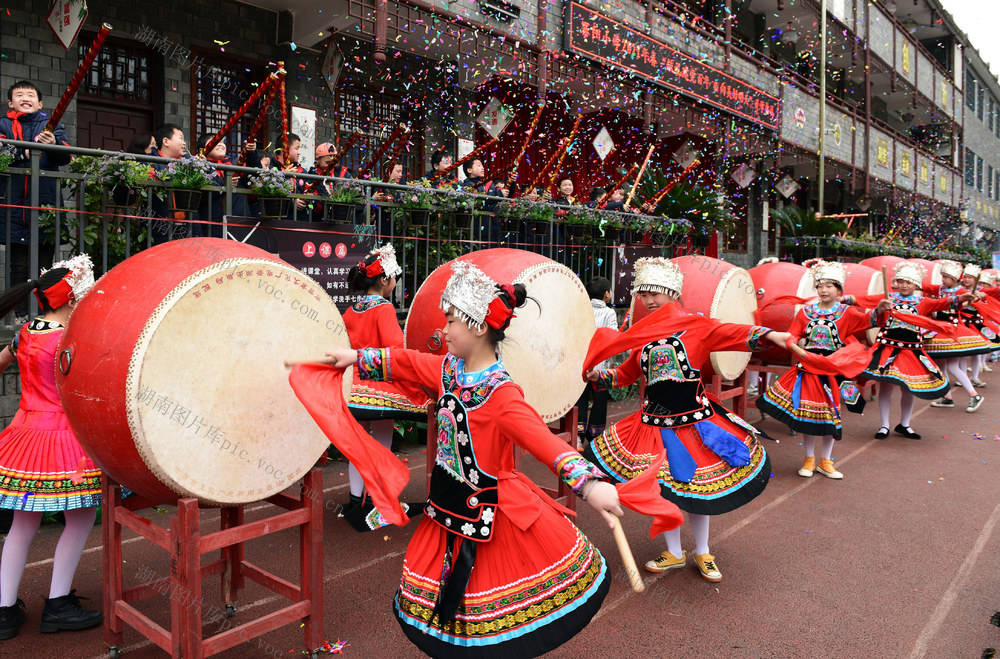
[217,200]
[291,165]
[440,162]
[142,144]
[475,183]
[170,144]
[565,197]
[26,122]
[395,170]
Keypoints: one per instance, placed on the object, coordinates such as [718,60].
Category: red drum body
[720,290]
[545,344]
[887,261]
[933,277]
[772,281]
[172,372]
[863,280]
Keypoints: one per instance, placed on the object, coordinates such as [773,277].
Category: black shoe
[66,613]
[906,431]
[11,619]
[882,433]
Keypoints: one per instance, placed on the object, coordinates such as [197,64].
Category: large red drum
[863,280]
[772,281]
[545,344]
[933,277]
[172,372]
[888,261]
[719,290]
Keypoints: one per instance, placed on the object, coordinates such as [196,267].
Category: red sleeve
[798,327]
[928,306]
[389,333]
[624,375]
[400,364]
[522,425]
[855,320]
[734,336]
[993,292]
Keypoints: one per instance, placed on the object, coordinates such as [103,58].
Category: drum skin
[772,281]
[171,371]
[887,260]
[546,342]
[863,280]
[723,291]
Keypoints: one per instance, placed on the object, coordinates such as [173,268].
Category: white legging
[906,400]
[382,432]
[79,522]
[809,444]
[955,368]
[699,526]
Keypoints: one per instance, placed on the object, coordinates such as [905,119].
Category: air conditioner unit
[500,10]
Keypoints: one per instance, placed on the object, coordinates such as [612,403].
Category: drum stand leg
[185,545]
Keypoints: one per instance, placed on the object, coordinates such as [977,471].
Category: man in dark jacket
[25,121]
[170,143]
[474,182]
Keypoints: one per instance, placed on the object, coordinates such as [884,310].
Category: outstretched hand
[778,338]
[603,497]
[884,304]
[591,376]
[342,357]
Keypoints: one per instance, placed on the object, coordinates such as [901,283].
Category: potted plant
[120,179]
[578,221]
[273,187]
[187,177]
[416,204]
[342,204]
[7,156]
[462,207]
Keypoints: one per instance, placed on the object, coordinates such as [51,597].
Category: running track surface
[899,559]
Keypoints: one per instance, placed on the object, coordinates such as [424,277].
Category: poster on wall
[303,124]
[465,147]
[65,19]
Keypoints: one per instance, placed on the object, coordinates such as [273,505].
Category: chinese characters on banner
[324,252]
[66,18]
[598,37]
[494,117]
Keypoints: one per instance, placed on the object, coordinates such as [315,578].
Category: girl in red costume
[43,468]
[714,461]
[495,568]
[809,402]
[950,352]
[371,321]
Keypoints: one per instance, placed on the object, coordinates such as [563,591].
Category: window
[981,101]
[970,168]
[375,114]
[979,173]
[970,90]
[219,90]
[120,72]
[989,115]
[989,181]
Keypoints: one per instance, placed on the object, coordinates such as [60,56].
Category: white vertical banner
[303,124]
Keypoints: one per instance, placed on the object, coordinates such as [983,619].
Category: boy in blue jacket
[25,121]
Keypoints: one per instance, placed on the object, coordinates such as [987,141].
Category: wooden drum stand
[185,544]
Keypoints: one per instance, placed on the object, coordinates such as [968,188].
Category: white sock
[673,539]
[699,526]
[885,402]
[79,523]
[382,432]
[977,365]
[809,445]
[15,554]
[827,447]
[957,371]
[906,400]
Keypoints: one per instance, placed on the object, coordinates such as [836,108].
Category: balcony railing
[427,226]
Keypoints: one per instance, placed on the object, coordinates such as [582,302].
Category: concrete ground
[899,559]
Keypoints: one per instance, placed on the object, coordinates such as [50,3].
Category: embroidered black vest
[463,498]
[674,393]
[896,333]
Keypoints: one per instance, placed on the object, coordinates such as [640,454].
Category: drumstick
[627,558]
[885,283]
[289,363]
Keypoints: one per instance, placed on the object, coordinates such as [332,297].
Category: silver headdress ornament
[952,269]
[387,257]
[469,292]
[910,271]
[972,270]
[657,275]
[828,271]
[768,259]
[81,275]
[987,278]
